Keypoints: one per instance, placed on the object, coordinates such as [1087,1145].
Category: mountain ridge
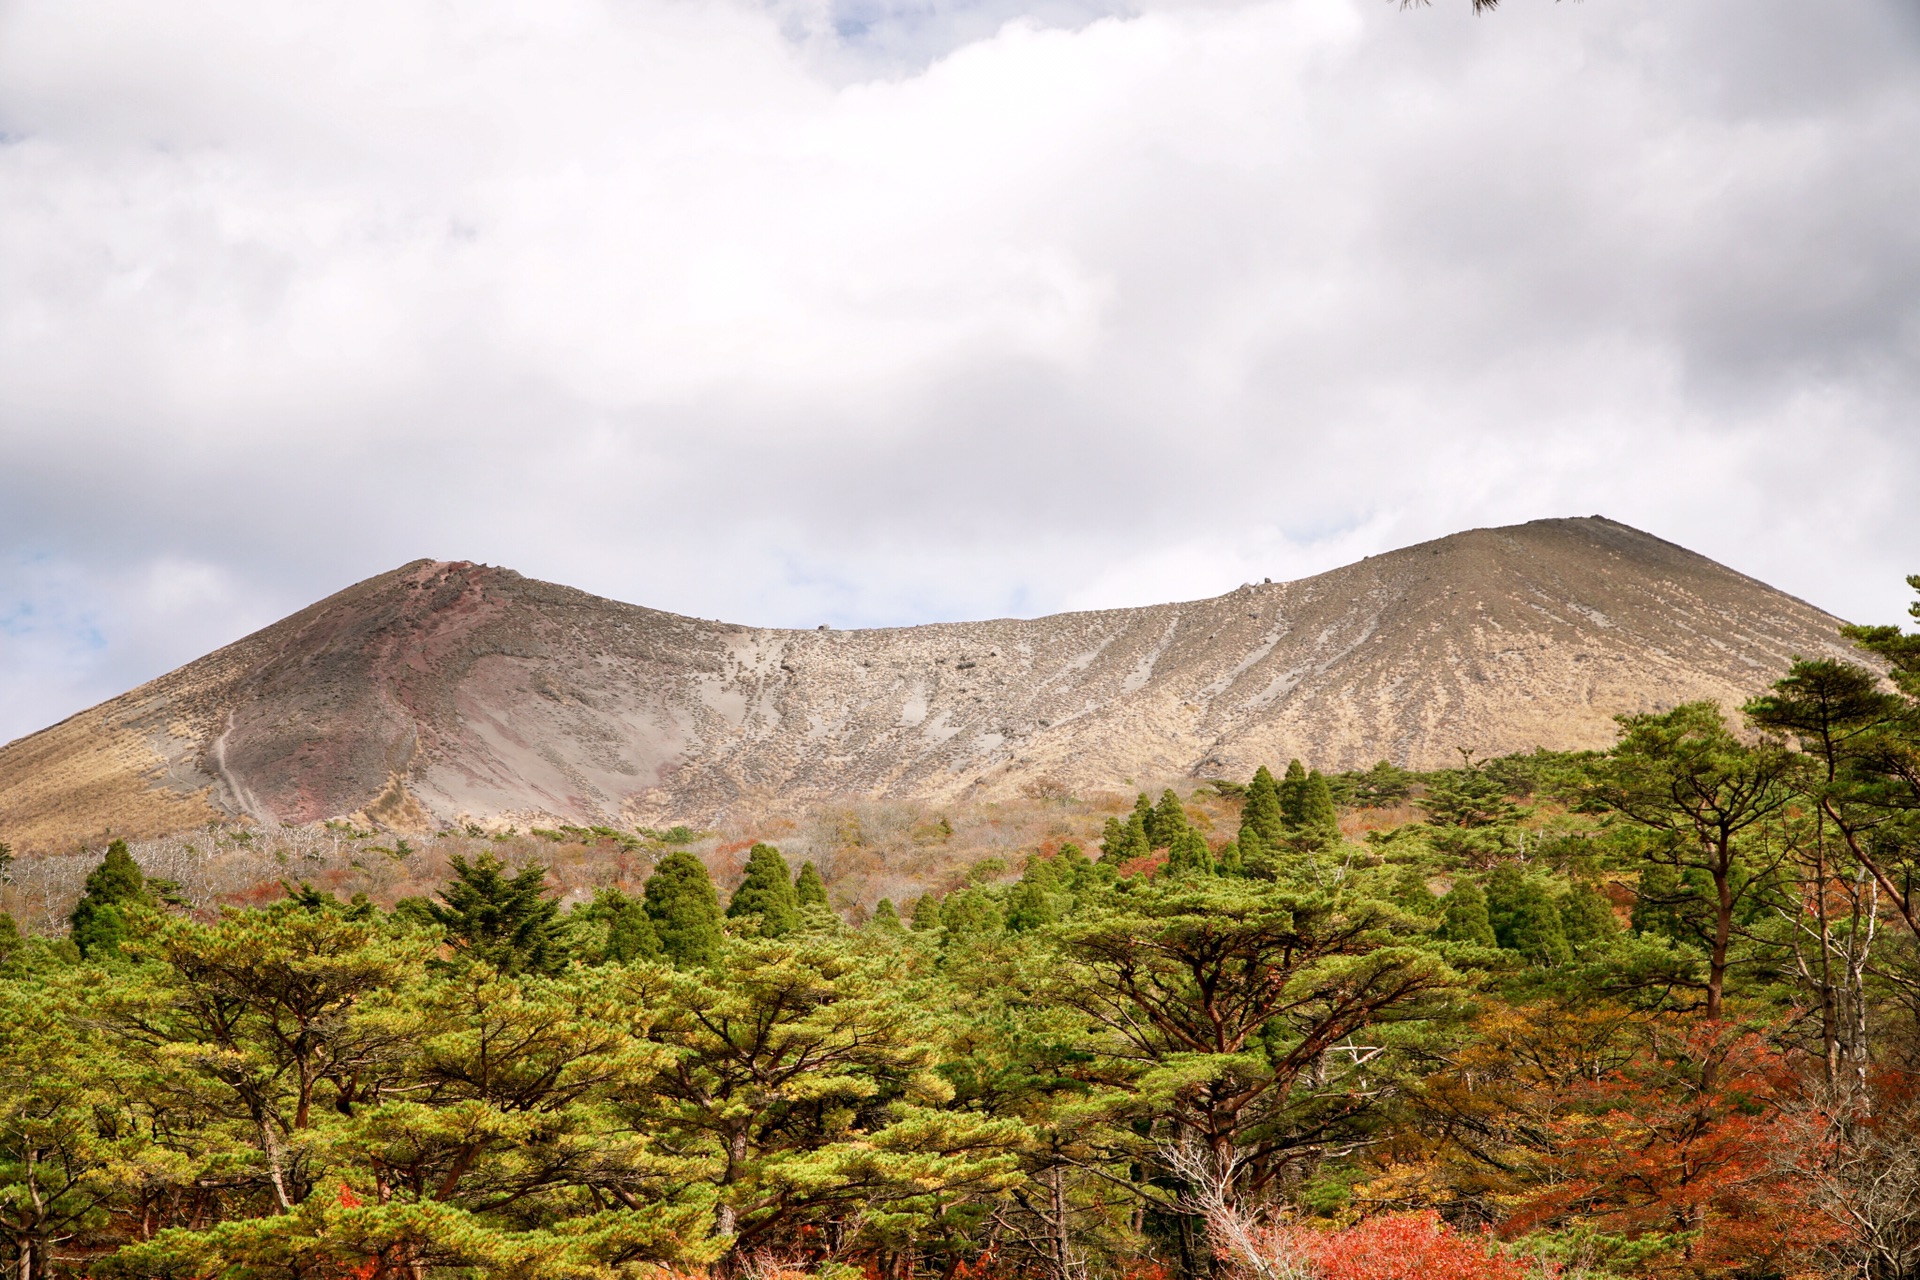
[448,691]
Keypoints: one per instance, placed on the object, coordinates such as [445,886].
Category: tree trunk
[1722,927]
[1057,1243]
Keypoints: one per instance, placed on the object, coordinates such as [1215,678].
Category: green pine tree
[1466,915]
[885,918]
[1293,797]
[1031,905]
[1072,868]
[614,928]
[99,922]
[1143,815]
[1524,917]
[685,910]
[1587,918]
[1166,822]
[1317,809]
[1123,842]
[511,923]
[767,892]
[1189,855]
[809,890]
[10,939]
[1260,816]
[926,913]
[971,911]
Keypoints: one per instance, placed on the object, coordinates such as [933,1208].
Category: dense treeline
[1647,1012]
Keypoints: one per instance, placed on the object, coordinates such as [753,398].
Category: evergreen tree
[971,911]
[10,939]
[1466,915]
[809,890]
[1166,821]
[1410,891]
[1229,861]
[1189,855]
[685,910]
[767,892]
[1381,786]
[1688,777]
[1143,810]
[511,923]
[1293,797]
[885,918]
[1031,905]
[1588,920]
[1123,842]
[1524,917]
[616,929]
[1073,869]
[1468,798]
[1261,817]
[1317,808]
[99,922]
[926,913]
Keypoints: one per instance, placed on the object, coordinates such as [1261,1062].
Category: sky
[875,312]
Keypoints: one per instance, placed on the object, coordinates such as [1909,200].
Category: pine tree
[1125,842]
[926,913]
[512,924]
[685,910]
[1074,872]
[1229,861]
[971,911]
[1524,917]
[1143,815]
[767,892]
[1466,912]
[885,918]
[1318,824]
[1317,808]
[1167,822]
[99,922]
[809,890]
[1588,920]
[617,929]
[1030,906]
[1260,815]
[1293,797]
[1189,855]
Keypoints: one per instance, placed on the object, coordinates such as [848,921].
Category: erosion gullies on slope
[452,691]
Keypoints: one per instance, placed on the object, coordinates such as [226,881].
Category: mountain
[455,691]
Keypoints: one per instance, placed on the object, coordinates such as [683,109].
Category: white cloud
[884,311]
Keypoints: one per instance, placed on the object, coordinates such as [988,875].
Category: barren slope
[443,691]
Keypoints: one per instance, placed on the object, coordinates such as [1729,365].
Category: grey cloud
[877,312]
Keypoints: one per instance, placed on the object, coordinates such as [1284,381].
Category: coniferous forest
[1647,1012]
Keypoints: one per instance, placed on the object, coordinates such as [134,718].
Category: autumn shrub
[1394,1246]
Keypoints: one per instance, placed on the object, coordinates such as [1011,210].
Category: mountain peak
[450,690]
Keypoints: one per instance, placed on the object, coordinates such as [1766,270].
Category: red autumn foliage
[1147,864]
[1400,1246]
[1687,1140]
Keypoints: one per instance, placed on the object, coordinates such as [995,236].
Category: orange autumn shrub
[1394,1246]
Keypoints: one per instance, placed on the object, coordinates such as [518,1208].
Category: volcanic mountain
[446,692]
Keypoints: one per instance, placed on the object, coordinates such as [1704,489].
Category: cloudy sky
[887,311]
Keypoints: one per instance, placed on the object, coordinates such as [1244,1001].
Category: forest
[1643,1012]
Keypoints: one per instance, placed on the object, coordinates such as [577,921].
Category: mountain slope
[451,690]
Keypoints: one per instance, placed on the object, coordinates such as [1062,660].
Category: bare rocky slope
[454,691]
